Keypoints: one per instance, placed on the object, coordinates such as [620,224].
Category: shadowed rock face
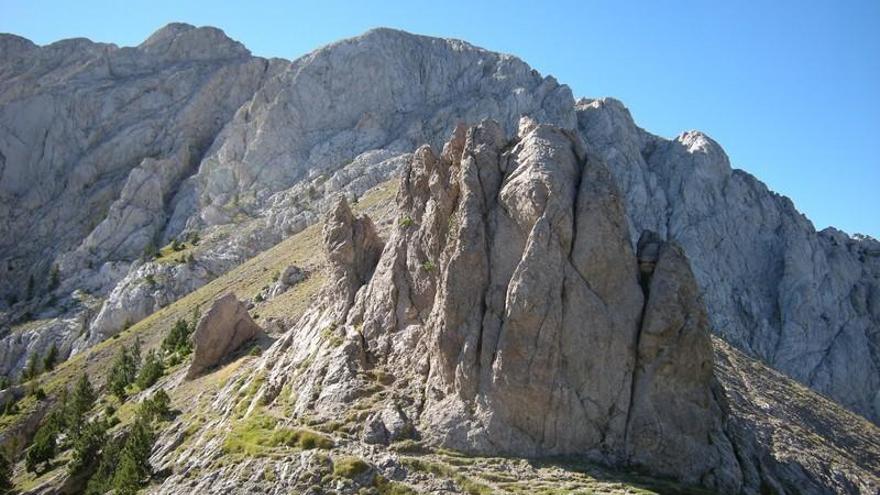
[806,302]
[223,329]
[507,303]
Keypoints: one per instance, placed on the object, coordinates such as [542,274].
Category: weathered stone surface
[508,299]
[673,411]
[380,366]
[114,149]
[800,300]
[220,332]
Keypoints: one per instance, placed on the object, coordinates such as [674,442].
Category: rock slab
[223,329]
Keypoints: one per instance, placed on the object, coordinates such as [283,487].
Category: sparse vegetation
[349,467]
[50,359]
[123,371]
[152,369]
[259,432]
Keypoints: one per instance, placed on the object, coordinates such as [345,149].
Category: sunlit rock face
[511,310]
[109,151]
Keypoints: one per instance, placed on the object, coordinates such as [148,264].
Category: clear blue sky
[791,89]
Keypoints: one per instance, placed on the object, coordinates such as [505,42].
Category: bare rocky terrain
[555,300]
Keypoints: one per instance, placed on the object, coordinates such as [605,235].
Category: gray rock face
[121,148]
[803,301]
[508,299]
[106,150]
[223,329]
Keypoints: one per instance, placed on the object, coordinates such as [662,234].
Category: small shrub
[255,351]
[407,222]
[259,297]
[309,440]
[194,238]
[428,266]
[388,487]
[350,467]
[38,393]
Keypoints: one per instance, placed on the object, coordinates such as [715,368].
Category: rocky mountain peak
[180,41]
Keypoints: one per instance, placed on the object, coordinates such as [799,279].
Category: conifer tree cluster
[68,418]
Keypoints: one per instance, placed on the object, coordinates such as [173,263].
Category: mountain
[544,286]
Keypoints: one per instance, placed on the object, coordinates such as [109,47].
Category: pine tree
[100,481]
[151,370]
[177,340]
[50,359]
[155,407]
[54,278]
[30,288]
[43,448]
[80,402]
[32,370]
[134,460]
[124,370]
[86,447]
[136,354]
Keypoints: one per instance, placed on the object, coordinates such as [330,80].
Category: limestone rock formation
[128,148]
[223,329]
[805,302]
[507,304]
[110,151]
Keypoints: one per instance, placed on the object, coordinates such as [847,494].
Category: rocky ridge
[448,353]
[806,302]
[189,133]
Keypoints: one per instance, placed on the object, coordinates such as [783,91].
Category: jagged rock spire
[508,304]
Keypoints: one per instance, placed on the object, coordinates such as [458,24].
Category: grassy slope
[245,281]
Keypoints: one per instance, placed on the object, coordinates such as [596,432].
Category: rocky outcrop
[507,306]
[223,329]
[803,301]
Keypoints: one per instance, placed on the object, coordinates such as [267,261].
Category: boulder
[223,329]
[291,276]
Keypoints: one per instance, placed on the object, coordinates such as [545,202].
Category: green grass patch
[259,434]
[349,467]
